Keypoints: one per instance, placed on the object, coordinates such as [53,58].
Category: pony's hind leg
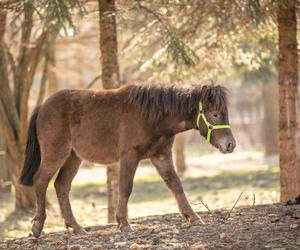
[41,180]
[62,186]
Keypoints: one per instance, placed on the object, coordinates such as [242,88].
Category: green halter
[209,126]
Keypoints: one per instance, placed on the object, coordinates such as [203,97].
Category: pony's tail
[32,152]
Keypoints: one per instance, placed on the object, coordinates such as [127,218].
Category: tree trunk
[271,112]
[44,80]
[288,94]
[5,183]
[110,79]
[112,190]
[179,153]
[52,79]
[25,197]
[15,87]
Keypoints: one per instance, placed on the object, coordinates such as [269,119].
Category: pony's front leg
[165,167]
[128,165]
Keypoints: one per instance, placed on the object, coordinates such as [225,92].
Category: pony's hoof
[197,222]
[36,231]
[126,229]
[80,231]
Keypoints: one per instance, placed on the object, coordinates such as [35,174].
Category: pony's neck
[186,122]
[180,122]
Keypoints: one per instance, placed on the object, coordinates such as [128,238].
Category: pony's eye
[215,114]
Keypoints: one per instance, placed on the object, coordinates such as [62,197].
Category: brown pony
[128,124]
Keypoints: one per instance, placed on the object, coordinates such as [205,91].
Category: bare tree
[288,95]
[110,79]
[52,78]
[270,122]
[5,183]
[14,97]
[179,153]
[36,22]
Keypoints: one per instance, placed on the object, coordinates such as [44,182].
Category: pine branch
[179,52]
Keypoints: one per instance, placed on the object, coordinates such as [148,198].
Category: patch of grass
[155,189]
[150,196]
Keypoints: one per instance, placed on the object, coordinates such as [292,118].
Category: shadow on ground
[155,189]
[14,220]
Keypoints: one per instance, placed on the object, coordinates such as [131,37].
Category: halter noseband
[209,126]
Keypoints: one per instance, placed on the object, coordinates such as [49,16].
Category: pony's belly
[97,153]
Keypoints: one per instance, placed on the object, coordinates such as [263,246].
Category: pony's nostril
[230,146]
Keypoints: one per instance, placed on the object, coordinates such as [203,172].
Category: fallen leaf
[273,215]
[100,233]
[135,246]
[74,247]
[198,246]
[275,219]
[57,242]
[293,226]
[120,244]
[222,236]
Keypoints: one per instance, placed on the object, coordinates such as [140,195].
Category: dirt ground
[253,227]
[214,178]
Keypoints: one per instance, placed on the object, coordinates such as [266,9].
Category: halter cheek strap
[209,126]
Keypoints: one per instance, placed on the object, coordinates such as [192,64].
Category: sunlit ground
[216,179]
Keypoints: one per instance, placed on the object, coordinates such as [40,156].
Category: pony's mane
[157,101]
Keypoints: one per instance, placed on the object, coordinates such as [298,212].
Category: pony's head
[212,118]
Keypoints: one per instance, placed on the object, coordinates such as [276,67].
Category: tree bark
[5,173]
[110,79]
[52,78]
[271,113]
[25,198]
[179,153]
[112,182]
[288,95]
[44,80]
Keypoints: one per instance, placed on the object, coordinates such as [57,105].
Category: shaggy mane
[157,101]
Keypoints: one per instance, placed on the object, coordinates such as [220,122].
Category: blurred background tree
[26,28]
[110,78]
[288,99]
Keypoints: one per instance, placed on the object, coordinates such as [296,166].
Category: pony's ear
[214,97]
[206,96]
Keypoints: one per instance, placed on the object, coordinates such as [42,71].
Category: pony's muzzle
[227,146]
[230,146]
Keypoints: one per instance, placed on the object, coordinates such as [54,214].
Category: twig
[98,206]
[205,205]
[157,17]
[93,81]
[228,214]
[253,200]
